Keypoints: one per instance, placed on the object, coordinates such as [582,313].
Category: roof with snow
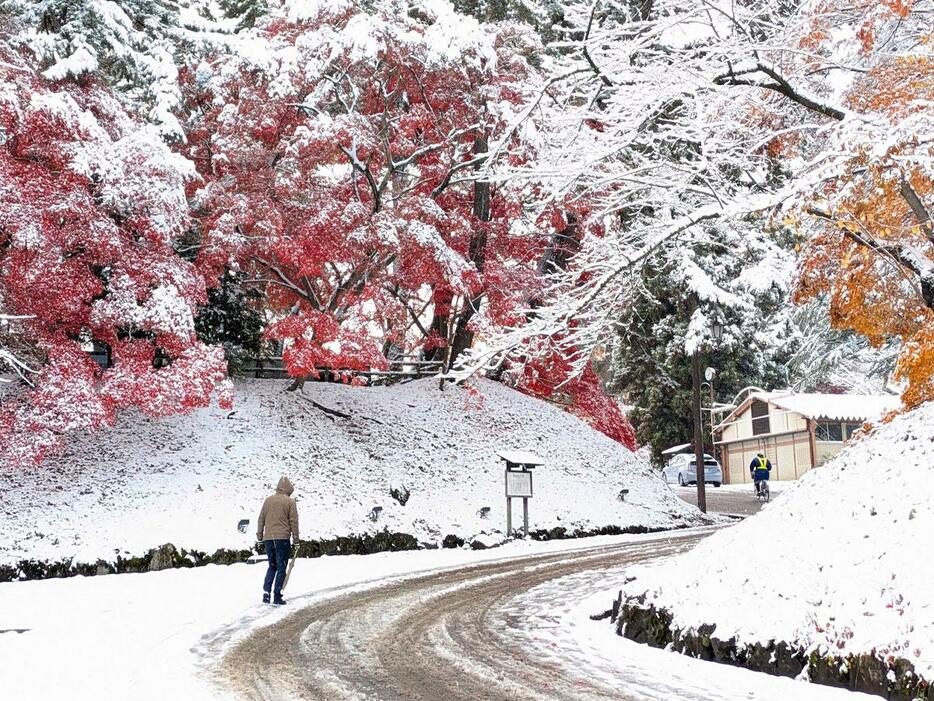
[675,449]
[520,457]
[837,407]
[834,407]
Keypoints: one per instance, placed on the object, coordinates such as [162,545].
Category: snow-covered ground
[189,480]
[155,636]
[557,622]
[839,564]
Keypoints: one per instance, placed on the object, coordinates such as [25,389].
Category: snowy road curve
[452,635]
[501,630]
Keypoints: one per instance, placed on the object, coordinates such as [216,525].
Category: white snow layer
[839,564]
[156,636]
[190,479]
[837,407]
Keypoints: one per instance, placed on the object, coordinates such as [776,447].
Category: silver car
[685,466]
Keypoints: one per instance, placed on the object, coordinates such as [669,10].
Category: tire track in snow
[431,637]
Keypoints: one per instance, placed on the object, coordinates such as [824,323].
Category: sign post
[519,465]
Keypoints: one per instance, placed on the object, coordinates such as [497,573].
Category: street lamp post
[709,375]
[700,473]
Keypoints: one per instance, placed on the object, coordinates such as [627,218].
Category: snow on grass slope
[840,564]
[188,480]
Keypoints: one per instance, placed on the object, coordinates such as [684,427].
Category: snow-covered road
[509,629]
[505,623]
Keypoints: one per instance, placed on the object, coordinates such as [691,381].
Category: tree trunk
[482,192]
[563,245]
[439,323]
[297,384]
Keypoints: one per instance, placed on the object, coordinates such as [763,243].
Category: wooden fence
[399,370]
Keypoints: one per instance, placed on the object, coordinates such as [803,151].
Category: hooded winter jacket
[278,519]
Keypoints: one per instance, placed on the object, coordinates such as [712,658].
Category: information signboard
[518,484]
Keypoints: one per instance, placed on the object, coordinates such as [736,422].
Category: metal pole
[525,516]
[508,517]
[698,431]
[713,440]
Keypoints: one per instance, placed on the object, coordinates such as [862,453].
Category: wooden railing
[399,370]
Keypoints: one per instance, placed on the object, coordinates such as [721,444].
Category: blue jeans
[277,552]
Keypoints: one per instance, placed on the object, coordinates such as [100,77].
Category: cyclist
[759,470]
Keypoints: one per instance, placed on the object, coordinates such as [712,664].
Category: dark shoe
[265,597]
[279,601]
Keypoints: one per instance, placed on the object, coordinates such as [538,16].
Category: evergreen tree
[828,359]
[246,12]
[737,280]
[546,18]
[232,318]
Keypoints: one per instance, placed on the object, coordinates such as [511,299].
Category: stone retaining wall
[891,678]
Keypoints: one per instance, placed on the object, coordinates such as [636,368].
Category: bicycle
[762,490]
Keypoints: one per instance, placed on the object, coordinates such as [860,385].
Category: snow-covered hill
[189,480]
[840,565]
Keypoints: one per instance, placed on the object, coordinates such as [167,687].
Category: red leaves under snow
[280,198]
[92,204]
[547,378]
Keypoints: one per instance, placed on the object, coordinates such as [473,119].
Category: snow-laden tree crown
[488,185]
[672,121]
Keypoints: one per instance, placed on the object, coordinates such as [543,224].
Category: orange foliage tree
[873,250]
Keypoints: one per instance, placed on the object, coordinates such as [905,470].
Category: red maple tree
[93,202]
[337,172]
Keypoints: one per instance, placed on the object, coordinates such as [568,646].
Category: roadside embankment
[830,583]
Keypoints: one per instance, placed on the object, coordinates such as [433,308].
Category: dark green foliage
[7,573]
[246,11]
[547,18]
[384,541]
[652,372]
[123,565]
[452,541]
[557,533]
[223,556]
[232,319]
[401,494]
[863,673]
[502,10]
[366,544]
[562,533]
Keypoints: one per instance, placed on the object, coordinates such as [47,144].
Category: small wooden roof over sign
[520,457]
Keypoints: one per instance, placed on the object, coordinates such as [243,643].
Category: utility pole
[700,472]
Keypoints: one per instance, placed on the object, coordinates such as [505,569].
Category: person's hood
[285,487]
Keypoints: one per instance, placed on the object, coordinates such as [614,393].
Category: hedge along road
[442,636]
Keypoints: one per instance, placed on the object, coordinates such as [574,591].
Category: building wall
[826,450]
[780,421]
[789,453]
[786,444]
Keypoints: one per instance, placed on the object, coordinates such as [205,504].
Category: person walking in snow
[759,470]
[278,521]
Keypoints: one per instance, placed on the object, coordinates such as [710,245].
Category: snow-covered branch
[673,123]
